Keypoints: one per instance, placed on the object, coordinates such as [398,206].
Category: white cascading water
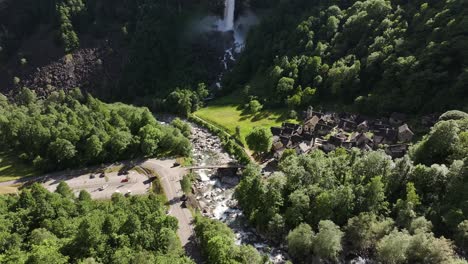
[229,8]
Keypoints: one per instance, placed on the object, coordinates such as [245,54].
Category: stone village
[329,131]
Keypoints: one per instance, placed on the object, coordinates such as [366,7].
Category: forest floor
[227,113]
[12,168]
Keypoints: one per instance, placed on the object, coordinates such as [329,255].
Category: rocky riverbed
[214,191]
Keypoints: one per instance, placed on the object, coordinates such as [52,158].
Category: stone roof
[404,128]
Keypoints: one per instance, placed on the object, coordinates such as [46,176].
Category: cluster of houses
[330,131]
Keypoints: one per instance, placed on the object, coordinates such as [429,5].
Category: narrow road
[170,177]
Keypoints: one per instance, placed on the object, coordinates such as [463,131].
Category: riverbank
[213,192]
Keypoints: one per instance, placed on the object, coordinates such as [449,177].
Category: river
[214,193]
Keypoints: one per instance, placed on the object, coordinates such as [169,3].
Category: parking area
[101,185]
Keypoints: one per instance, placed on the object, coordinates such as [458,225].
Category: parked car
[124,180]
[92,176]
[122,172]
[184,197]
[102,175]
[176,164]
[103,187]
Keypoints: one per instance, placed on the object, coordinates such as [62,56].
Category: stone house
[276,131]
[308,138]
[396,151]
[322,129]
[404,133]
[363,126]
[347,125]
[336,141]
[310,124]
[287,132]
[303,148]
[296,139]
[295,127]
[385,136]
[286,141]
[361,140]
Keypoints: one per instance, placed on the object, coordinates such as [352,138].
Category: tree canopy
[67,130]
[43,227]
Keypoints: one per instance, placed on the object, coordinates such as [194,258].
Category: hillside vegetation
[341,204]
[42,227]
[70,130]
[378,55]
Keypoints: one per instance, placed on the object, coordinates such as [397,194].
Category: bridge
[222,166]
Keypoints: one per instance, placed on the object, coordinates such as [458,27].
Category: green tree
[300,242]
[253,107]
[327,242]
[260,140]
[392,249]
[62,150]
[64,190]
[363,231]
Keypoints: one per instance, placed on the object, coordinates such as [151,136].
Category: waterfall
[229,8]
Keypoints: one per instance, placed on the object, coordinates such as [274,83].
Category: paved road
[170,179]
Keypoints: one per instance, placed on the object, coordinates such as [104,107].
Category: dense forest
[149,42]
[43,227]
[377,55]
[69,129]
[332,206]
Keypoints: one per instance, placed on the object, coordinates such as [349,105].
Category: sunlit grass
[13,168]
[227,113]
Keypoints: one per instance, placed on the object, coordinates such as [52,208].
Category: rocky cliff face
[41,65]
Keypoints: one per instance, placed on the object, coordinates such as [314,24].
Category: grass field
[12,168]
[227,113]
[8,189]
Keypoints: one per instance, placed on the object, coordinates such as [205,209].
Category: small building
[363,126]
[385,136]
[396,151]
[276,131]
[397,118]
[361,140]
[309,124]
[275,139]
[404,133]
[308,138]
[287,132]
[322,129]
[303,148]
[296,139]
[347,125]
[336,141]
[278,154]
[295,127]
[277,146]
[286,141]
